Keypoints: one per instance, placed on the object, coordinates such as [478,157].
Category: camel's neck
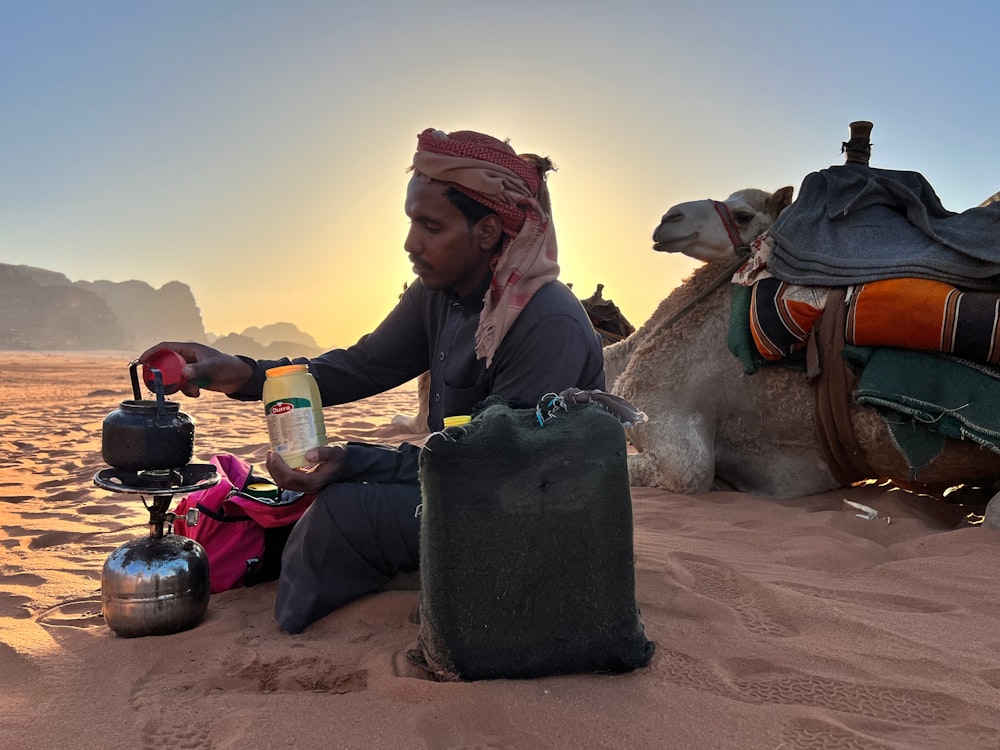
[703,283]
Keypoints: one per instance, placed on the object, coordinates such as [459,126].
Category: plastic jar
[294,413]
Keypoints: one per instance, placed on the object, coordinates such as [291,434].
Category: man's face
[445,252]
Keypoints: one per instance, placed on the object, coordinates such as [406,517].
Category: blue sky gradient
[257,151]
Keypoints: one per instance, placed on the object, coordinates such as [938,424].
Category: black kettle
[145,435]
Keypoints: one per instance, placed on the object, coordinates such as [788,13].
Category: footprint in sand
[160,733]
[687,672]
[896,705]
[740,593]
[920,711]
[313,674]
[817,734]
[76,613]
[243,671]
[813,734]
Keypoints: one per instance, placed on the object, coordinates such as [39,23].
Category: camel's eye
[742,218]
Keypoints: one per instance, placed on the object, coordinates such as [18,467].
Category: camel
[607,318]
[710,426]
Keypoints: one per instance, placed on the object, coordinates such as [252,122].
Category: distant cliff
[41,309]
[235,343]
[148,315]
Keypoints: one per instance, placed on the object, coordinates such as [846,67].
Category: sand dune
[795,625]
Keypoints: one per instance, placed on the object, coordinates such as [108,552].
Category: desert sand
[796,624]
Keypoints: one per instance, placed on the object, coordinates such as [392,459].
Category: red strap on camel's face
[731,229]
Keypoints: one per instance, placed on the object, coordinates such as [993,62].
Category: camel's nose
[669,217]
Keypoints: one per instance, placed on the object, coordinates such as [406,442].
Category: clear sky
[257,151]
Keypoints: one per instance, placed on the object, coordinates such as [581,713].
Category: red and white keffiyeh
[491,172]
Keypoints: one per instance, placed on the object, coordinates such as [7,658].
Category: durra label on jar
[294,413]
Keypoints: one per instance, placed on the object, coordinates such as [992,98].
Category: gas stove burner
[159,482]
[159,478]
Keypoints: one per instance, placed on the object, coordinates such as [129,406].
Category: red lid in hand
[169,364]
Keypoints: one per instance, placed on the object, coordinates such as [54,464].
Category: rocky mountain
[147,315]
[235,343]
[272,341]
[280,333]
[42,309]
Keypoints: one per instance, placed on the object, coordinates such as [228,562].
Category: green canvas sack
[526,555]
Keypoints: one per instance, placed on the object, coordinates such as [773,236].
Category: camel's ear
[780,200]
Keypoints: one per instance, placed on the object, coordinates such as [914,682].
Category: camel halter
[742,251]
[731,229]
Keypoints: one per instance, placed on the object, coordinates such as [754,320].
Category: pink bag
[242,534]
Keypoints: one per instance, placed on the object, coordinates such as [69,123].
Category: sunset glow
[257,151]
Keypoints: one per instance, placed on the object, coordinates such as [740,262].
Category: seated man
[486,316]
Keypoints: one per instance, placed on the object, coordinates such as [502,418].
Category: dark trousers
[350,542]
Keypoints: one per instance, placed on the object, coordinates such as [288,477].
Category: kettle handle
[161,401]
[133,373]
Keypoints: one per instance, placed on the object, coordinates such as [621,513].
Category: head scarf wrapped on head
[490,172]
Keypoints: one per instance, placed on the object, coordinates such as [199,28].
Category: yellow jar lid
[263,490]
[275,372]
[457,421]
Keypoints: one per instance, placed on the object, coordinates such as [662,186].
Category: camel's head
[708,229]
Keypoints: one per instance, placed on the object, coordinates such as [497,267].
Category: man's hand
[327,463]
[206,368]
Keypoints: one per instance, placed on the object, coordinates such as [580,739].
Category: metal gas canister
[155,586]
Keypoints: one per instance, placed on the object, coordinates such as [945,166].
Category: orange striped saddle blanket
[908,313]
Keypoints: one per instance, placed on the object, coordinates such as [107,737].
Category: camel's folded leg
[417,423]
[680,459]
